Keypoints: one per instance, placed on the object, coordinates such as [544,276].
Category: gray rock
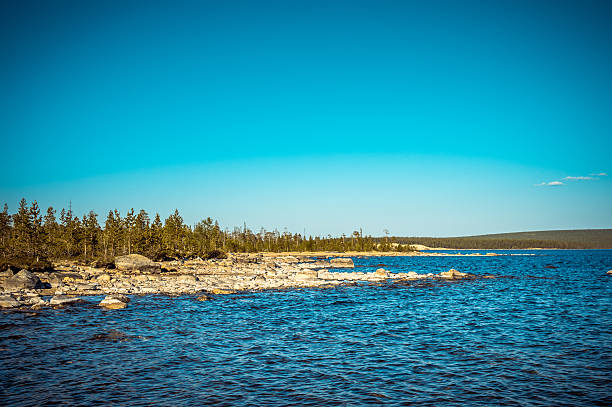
[7,301]
[22,280]
[132,262]
[61,300]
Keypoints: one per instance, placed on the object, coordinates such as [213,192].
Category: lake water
[542,335]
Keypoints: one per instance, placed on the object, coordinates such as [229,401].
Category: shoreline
[137,275]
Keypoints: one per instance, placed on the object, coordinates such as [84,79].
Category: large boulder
[24,280]
[134,262]
[7,301]
[342,262]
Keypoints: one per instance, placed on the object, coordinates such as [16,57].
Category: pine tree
[50,232]
[156,236]
[129,224]
[5,230]
[141,232]
[37,235]
[22,229]
[91,231]
[173,232]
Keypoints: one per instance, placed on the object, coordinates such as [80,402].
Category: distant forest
[554,239]
[36,237]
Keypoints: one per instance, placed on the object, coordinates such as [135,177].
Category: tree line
[494,243]
[32,234]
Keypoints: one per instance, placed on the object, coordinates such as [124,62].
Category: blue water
[542,335]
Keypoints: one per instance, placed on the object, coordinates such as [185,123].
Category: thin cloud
[550,184]
[577,178]
[601,174]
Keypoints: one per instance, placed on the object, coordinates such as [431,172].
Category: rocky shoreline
[138,275]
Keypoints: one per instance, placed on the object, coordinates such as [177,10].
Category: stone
[22,280]
[187,278]
[132,262]
[609,272]
[381,272]
[452,274]
[114,301]
[7,301]
[203,298]
[221,291]
[342,262]
[103,279]
[61,300]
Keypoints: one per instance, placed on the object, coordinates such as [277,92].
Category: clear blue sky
[426,118]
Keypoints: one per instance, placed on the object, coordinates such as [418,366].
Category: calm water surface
[542,336]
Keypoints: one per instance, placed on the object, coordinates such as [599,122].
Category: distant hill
[559,239]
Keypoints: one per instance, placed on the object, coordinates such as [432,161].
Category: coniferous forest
[31,237]
[37,236]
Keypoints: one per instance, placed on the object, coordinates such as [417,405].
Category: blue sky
[425,118]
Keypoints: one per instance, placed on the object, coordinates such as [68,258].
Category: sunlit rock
[133,262]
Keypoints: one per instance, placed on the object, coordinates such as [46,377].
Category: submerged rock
[22,280]
[112,335]
[133,262]
[203,298]
[7,301]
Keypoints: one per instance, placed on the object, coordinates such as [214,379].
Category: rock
[22,280]
[186,278]
[114,301]
[203,298]
[342,262]
[609,272]
[381,272]
[221,291]
[113,335]
[132,262]
[103,279]
[61,300]
[452,274]
[7,301]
